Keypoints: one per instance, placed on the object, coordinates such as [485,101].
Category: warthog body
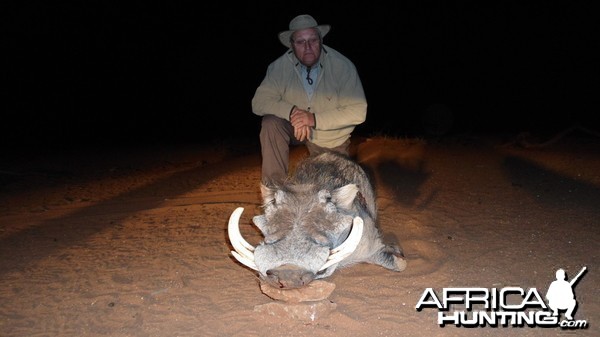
[308,217]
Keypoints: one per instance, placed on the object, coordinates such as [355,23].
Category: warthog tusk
[243,260]
[348,246]
[243,250]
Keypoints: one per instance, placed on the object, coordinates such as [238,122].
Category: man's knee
[271,122]
[276,131]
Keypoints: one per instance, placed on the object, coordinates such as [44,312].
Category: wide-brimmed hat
[300,22]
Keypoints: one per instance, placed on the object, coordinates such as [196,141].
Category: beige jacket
[339,102]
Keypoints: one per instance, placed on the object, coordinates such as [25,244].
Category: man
[560,295]
[311,95]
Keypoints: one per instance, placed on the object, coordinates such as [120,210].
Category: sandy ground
[132,241]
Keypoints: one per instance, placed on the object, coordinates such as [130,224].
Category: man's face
[306,45]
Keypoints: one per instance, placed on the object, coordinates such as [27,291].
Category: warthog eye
[321,240]
[324,196]
[271,239]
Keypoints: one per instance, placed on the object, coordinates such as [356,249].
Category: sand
[131,241]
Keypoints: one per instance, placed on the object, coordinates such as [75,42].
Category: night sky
[83,72]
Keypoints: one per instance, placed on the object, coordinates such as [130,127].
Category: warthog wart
[322,218]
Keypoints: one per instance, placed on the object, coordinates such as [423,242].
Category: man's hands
[302,121]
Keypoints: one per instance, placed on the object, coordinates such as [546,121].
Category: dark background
[81,72]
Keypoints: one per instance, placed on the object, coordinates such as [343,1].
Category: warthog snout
[289,276]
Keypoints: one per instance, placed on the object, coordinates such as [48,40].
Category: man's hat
[300,22]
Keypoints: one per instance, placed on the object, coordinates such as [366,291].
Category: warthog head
[306,231]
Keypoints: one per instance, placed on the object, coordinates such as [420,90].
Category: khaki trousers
[276,137]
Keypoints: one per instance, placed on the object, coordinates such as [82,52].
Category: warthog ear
[343,197]
[267,193]
[271,195]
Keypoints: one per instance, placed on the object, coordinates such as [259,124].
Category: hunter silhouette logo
[508,306]
[560,294]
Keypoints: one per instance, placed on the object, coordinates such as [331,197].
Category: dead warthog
[322,218]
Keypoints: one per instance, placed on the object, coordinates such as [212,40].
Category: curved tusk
[348,246]
[352,240]
[243,250]
[234,229]
[243,260]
